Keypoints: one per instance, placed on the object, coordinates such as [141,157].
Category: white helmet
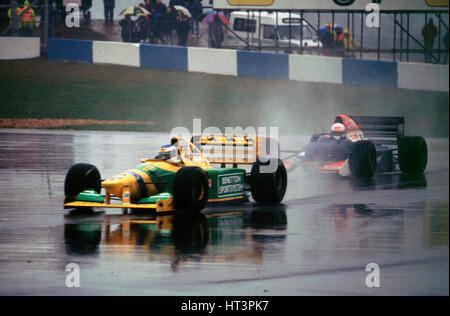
[338,131]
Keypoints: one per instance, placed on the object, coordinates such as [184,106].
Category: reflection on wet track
[177,237]
[318,242]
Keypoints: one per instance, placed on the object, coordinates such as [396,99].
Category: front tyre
[268,186]
[363,161]
[80,177]
[412,154]
[190,190]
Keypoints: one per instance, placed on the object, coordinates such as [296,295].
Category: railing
[398,38]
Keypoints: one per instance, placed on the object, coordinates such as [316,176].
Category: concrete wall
[219,61]
[315,69]
[262,65]
[423,77]
[19,48]
[116,53]
[164,57]
[370,73]
[249,64]
[71,50]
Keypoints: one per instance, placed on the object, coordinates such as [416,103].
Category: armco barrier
[423,77]
[71,50]
[218,61]
[19,48]
[315,69]
[116,53]
[369,73]
[256,65]
[262,65]
[164,57]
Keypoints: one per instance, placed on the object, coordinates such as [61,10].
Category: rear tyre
[412,154]
[80,177]
[190,190]
[268,187]
[363,161]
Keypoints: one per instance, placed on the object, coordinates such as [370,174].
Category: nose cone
[116,184]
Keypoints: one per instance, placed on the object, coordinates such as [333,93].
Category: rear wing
[235,150]
[381,130]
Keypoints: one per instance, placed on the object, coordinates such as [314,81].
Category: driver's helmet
[167,152]
[338,131]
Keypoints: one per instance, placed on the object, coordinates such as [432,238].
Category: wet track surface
[317,243]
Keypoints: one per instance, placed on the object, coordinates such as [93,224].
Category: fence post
[14,19]
[45,35]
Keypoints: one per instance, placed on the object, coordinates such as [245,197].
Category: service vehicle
[270,29]
[182,177]
[362,146]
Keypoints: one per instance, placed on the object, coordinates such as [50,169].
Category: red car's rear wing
[382,130]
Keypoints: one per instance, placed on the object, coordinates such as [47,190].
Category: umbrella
[134,11]
[208,11]
[183,9]
[210,18]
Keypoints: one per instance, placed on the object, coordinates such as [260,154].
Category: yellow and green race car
[182,177]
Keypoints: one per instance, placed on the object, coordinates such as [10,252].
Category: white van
[267,31]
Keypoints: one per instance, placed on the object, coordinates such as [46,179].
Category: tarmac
[318,242]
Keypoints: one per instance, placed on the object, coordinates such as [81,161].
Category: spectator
[215,32]
[429,34]
[327,41]
[196,10]
[109,11]
[158,10]
[170,22]
[27,19]
[349,44]
[338,42]
[182,28]
[128,29]
[143,32]
[148,5]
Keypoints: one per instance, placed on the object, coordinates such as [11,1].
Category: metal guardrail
[404,42]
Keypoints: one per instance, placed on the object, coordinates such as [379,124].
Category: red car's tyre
[412,154]
[190,189]
[363,160]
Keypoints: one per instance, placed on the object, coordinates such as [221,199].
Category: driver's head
[167,152]
[338,131]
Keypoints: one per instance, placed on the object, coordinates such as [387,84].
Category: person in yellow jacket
[27,19]
[18,10]
[349,44]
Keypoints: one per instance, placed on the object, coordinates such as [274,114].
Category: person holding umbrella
[182,25]
[128,29]
[128,25]
[215,21]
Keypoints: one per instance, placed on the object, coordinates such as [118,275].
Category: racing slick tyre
[412,154]
[268,187]
[363,160]
[190,189]
[80,177]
